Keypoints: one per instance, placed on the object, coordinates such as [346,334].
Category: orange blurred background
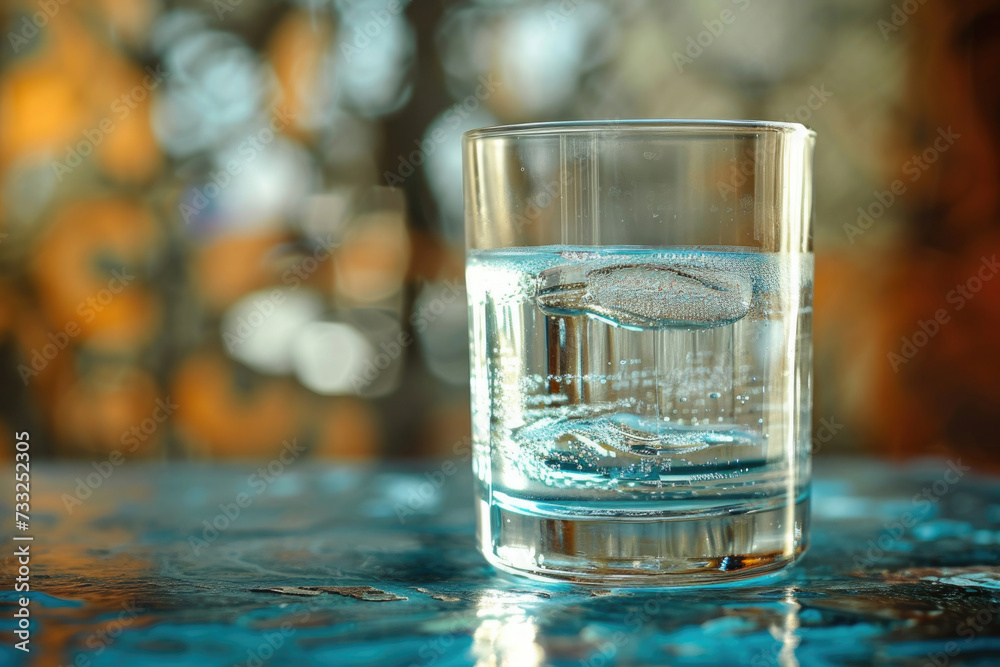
[230,225]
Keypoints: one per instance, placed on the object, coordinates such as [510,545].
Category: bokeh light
[219,154]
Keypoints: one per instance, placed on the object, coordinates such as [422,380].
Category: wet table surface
[904,569]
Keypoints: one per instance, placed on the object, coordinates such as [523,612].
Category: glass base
[651,551]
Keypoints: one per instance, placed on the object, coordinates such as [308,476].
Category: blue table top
[904,569]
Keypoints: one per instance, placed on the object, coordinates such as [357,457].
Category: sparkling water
[640,384]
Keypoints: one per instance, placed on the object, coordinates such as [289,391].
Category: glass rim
[668,125]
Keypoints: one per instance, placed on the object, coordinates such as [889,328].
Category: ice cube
[646,296]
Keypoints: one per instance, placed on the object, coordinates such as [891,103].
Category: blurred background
[227,225]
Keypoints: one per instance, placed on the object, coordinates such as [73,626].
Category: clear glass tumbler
[640,305]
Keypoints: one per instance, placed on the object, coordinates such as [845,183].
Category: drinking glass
[640,305]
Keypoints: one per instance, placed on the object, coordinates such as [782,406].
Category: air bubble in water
[646,296]
[627,433]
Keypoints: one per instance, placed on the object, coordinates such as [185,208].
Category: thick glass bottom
[696,549]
